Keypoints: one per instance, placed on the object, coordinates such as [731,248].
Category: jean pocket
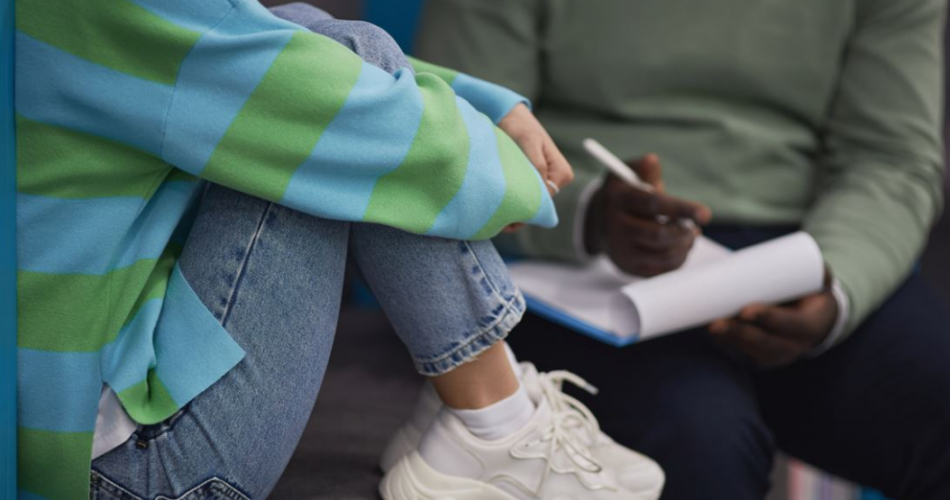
[211,489]
[103,488]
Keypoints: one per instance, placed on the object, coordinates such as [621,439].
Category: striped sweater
[124,106]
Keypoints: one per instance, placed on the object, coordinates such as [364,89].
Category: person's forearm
[872,231]
[882,163]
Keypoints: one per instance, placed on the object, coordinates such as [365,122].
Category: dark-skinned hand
[623,223]
[777,336]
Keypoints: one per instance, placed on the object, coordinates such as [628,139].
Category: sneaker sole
[400,445]
[412,479]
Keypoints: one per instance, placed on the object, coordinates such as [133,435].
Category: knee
[716,449]
[740,443]
[372,43]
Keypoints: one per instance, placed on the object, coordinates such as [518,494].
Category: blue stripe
[97,235]
[192,347]
[61,89]
[127,359]
[547,213]
[482,189]
[215,81]
[360,145]
[493,100]
[58,391]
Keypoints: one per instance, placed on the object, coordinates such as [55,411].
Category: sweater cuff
[488,98]
[838,330]
[580,218]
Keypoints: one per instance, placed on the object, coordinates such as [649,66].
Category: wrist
[839,328]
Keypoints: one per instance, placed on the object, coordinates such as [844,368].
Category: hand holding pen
[630,217]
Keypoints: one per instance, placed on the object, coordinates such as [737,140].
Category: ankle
[498,420]
[482,382]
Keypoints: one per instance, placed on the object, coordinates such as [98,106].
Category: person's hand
[622,222]
[528,133]
[776,336]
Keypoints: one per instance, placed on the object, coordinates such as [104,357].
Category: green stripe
[54,465]
[445,74]
[522,194]
[117,34]
[82,313]
[148,402]
[58,162]
[279,125]
[413,195]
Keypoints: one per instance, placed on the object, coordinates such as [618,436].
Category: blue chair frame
[8,434]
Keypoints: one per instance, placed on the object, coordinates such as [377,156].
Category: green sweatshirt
[821,113]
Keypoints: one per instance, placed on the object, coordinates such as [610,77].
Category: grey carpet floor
[370,389]
[368,392]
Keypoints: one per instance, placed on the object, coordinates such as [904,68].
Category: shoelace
[568,414]
[557,398]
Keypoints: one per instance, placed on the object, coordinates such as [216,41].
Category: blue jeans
[874,410]
[274,278]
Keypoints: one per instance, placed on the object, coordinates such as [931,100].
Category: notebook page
[772,272]
[590,293]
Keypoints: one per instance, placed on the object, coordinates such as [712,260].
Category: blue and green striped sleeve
[237,96]
[488,98]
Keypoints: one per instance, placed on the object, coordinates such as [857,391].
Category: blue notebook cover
[558,316]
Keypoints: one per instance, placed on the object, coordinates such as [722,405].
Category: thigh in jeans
[273,277]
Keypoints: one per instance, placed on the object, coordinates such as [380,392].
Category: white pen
[626,174]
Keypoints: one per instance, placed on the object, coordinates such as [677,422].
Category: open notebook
[619,309]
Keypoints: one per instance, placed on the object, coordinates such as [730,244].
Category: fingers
[778,335]
[650,170]
[780,320]
[534,150]
[806,321]
[765,350]
[651,235]
[524,128]
[647,248]
[636,202]
[559,170]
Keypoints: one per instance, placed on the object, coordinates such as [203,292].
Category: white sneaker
[632,471]
[545,460]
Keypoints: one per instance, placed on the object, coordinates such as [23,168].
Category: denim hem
[477,343]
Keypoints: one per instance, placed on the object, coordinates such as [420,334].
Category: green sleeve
[880,186]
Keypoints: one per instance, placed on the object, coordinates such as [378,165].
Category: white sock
[515,367]
[430,403]
[501,419]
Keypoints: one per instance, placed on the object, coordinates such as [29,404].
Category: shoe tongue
[542,412]
[531,382]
